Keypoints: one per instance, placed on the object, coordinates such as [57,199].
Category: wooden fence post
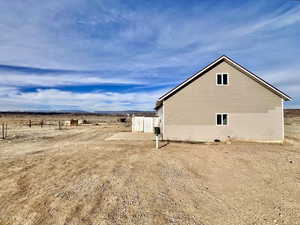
[29,123]
[3,134]
[6,130]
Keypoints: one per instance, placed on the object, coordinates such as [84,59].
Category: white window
[222,79]
[221,119]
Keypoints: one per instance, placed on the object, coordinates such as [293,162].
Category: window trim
[222,125]
[222,73]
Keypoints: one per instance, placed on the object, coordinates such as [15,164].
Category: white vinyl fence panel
[144,124]
[138,124]
[148,124]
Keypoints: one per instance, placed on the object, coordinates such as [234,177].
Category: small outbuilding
[223,101]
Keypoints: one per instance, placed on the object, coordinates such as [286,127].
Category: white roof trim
[237,65]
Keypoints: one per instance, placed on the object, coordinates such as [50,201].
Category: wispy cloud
[56,80]
[273,21]
[287,79]
[53,99]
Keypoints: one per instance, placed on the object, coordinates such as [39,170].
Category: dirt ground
[78,176]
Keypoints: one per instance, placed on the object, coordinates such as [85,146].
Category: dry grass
[74,176]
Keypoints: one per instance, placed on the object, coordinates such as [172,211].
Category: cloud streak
[53,99]
[19,80]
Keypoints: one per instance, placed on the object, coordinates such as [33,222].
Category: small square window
[222,79]
[222,119]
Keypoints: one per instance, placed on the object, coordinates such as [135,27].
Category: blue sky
[122,55]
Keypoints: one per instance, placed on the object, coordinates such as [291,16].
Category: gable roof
[212,65]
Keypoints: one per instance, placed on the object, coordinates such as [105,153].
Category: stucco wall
[255,113]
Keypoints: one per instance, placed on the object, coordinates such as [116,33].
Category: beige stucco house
[223,101]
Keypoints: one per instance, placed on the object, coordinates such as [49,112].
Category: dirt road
[76,177]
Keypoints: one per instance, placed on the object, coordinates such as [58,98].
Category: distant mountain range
[80,112]
[126,112]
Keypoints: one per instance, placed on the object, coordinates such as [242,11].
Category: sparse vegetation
[75,176]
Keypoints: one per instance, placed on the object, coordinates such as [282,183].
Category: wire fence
[7,130]
[14,129]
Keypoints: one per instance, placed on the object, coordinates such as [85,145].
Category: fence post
[4,125]
[3,137]
[29,123]
[6,130]
[42,123]
[59,125]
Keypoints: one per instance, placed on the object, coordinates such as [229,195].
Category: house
[222,101]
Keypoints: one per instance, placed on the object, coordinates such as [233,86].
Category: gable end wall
[255,113]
